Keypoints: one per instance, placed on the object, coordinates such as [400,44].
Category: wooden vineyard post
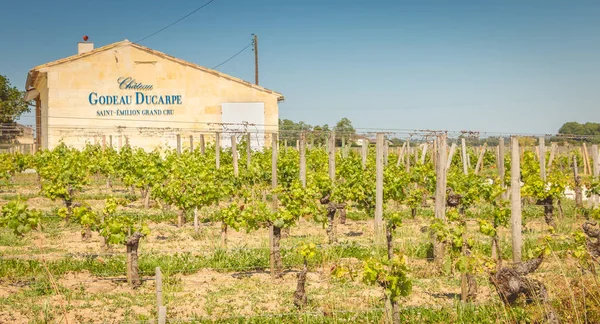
[500,162]
[515,199]
[274,270]
[577,189]
[331,219]
[542,150]
[159,289]
[202,144]
[379,188]
[586,160]
[468,161]
[302,151]
[162,315]
[580,150]
[450,156]
[234,154]
[595,171]
[463,152]
[331,153]
[440,195]
[401,155]
[479,166]
[464,291]
[364,151]
[218,150]
[248,150]
[346,148]
[178,144]
[424,153]
[416,153]
[191,143]
[110,142]
[331,213]
[500,166]
[343,147]
[407,156]
[553,149]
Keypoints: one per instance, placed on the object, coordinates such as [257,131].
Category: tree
[290,130]
[318,136]
[575,128]
[12,104]
[345,129]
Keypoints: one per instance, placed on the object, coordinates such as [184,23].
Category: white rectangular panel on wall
[243,117]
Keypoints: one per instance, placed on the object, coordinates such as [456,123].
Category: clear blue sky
[450,65]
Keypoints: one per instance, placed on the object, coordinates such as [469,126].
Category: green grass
[459,314]
[356,215]
[185,263]
[103,196]
[8,238]
[374,316]
[9,197]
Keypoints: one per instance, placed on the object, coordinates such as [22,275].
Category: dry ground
[83,297]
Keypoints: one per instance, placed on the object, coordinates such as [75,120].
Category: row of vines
[275,188]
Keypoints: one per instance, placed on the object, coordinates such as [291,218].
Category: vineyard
[434,229]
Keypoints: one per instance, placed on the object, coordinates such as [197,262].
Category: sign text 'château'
[139,98]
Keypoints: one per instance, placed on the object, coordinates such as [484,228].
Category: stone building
[125,93]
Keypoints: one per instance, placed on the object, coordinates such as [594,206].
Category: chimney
[84,47]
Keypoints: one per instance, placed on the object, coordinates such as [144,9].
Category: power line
[175,22]
[232,57]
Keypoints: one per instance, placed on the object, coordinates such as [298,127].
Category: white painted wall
[251,116]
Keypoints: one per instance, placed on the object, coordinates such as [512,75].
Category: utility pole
[255,43]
